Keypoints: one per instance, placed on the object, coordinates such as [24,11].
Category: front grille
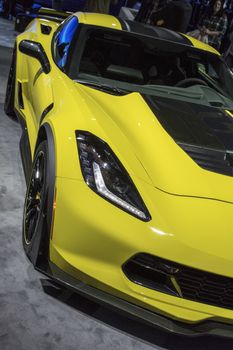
[219,161]
[179,280]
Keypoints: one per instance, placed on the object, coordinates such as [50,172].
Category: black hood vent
[204,133]
[214,160]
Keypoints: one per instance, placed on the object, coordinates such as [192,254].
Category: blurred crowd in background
[210,21]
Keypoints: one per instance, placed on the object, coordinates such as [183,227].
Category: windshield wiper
[103,87]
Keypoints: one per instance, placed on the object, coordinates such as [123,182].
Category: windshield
[134,62]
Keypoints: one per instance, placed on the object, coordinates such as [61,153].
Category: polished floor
[35,315]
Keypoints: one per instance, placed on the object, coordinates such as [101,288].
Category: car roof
[112,22]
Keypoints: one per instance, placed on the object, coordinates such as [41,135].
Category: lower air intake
[185,282]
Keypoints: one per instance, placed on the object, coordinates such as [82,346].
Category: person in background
[213,25]
[9,9]
[99,6]
[147,8]
[228,55]
[133,4]
[175,15]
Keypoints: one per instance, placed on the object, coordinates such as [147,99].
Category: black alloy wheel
[10,90]
[38,206]
[34,199]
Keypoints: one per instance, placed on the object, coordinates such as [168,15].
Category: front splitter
[205,328]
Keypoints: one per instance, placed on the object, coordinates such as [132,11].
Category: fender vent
[20,96]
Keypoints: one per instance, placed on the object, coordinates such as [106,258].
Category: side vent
[20,96]
[45,29]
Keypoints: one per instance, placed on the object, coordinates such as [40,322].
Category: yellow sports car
[127,148]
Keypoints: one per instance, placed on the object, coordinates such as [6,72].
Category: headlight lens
[104,174]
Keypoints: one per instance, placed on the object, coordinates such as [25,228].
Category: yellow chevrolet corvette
[127,149]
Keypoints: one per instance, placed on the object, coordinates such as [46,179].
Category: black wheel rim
[34,200]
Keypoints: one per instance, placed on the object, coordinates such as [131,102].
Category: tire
[38,207]
[10,90]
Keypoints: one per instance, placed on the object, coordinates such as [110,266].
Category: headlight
[104,174]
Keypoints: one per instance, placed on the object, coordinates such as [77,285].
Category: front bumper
[92,239]
[133,311]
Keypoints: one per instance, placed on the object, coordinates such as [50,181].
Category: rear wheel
[38,207]
[10,90]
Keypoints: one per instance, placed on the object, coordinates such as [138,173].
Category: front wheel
[37,207]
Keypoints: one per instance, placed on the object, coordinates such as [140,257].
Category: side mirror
[36,50]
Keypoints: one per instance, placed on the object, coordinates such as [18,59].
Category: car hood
[186,148]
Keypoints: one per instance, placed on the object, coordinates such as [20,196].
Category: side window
[63,40]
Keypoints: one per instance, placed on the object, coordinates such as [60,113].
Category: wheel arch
[40,252]
[46,134]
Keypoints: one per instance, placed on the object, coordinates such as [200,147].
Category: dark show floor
[37,315]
